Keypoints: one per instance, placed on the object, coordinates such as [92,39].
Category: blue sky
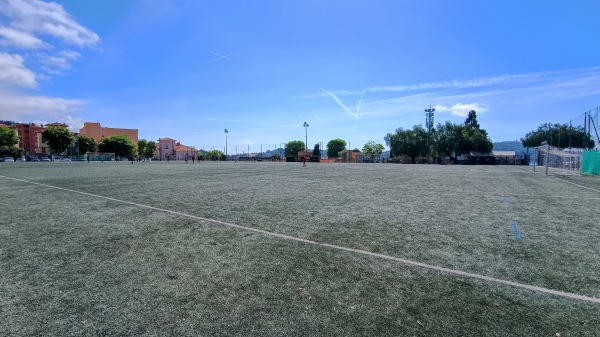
[354,70]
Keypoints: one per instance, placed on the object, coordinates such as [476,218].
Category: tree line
[448,139]
[59,139]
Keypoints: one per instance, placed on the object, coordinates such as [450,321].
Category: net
[566,159]
[99,156]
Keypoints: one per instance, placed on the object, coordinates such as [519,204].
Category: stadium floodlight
[305,136]
[429,118]
[429,124]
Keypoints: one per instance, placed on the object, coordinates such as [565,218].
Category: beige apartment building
[174,150]
[98,132]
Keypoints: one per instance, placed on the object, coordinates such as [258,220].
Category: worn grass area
[78,265]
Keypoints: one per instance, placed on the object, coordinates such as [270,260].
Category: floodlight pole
[306,136]
[226,132]
[429,124]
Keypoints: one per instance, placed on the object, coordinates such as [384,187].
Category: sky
[355,70]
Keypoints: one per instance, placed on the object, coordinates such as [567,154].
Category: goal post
[554,157]
[99,156]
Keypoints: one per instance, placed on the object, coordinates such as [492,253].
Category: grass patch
[78,265]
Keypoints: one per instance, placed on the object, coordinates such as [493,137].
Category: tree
[472,119]
[86,144]
[476,139]
[372,149]
[293,147]
[11,151]
[558,135]
[141,147]
[8,137]
[57,137]
[412,143]
[150,149]
[455,140]
[120,145]
[317,151]
[214,155]
[146,148]
[334,147]
[448,139]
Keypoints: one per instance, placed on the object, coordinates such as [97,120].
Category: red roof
[184,148]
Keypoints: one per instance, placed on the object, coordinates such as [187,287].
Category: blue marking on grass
[504,200]
[516,230]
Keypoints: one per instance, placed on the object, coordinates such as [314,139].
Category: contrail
[360,100]
[226,57]
[219,57]
[340,103]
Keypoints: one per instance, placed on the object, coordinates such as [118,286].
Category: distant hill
[511,145]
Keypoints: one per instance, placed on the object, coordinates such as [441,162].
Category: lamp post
[306,136]
[226,132]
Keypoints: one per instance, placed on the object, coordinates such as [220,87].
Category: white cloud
[20,39]
[48,18]
[55,64]
[34,25]
[460,109]
[14,73]
[17,106]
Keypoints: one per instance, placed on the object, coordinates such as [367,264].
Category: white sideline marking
[568,182]
[548,196]
[469,172]
[345,249]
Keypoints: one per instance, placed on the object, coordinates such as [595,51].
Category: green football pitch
[235,248]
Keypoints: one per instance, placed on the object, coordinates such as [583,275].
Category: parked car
[65,159]
[35,159]
[44,159]
[9,160]
[20,160]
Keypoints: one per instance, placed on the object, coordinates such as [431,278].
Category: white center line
[341,248]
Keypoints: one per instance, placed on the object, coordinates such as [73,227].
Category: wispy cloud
[514,80]
[21,39]
[29,17]
[239,121]
[17,106]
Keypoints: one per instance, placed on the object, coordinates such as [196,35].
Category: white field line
[568,182]
[341,248]
[469,172]
[546,196]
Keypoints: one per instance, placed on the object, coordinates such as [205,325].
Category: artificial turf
[78,265]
